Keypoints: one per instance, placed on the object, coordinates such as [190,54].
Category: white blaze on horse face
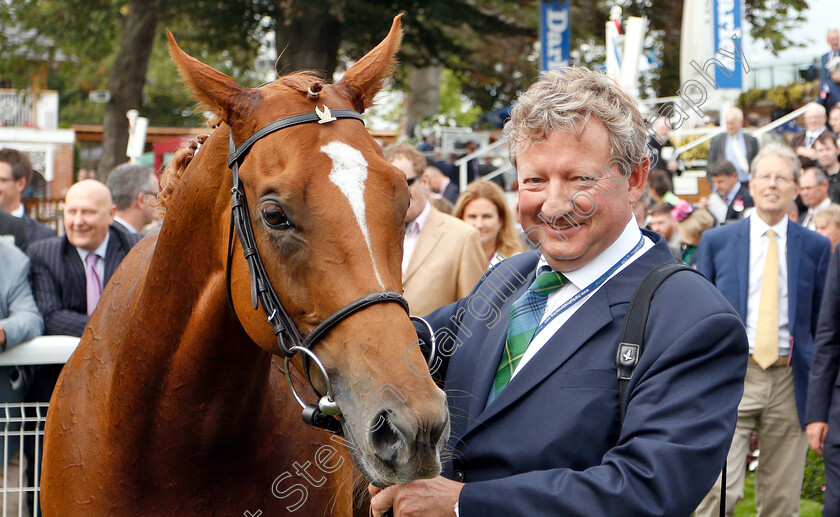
[349,173]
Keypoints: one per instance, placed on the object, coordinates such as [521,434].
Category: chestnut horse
[175,402]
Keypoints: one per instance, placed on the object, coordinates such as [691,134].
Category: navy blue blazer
[746,201]
[11,225]
[551,443]
[824,385]
[451,192]
[723,256]
[827,84]
[58,280]
[36,231]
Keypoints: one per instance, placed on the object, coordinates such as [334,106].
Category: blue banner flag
[555,34]
[727,23]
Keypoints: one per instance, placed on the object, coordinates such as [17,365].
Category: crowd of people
[534,295]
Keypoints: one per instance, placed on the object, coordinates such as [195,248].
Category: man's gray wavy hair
[564,100]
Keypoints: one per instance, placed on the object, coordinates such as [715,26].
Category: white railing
[756,133]
[41,350]
[22,425]
[20,108]
[461,163]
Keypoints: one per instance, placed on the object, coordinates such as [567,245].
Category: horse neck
[203,356]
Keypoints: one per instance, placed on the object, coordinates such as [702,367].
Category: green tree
[490,46]
[456,34]
[769,20]
[118,36]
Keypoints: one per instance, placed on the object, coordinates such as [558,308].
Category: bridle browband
[262,292]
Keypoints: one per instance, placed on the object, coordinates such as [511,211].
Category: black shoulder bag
[631,344]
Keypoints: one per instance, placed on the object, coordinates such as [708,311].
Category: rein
[262,292]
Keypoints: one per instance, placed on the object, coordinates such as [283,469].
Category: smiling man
[773,272]
[528,358]
[69,272]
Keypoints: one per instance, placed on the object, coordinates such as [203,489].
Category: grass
[746,507]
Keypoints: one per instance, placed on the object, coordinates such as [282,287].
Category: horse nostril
[384,437]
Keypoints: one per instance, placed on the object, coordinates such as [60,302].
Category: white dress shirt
[758,254]
[811,137]
[128,226]
[735,151]
[718,207]
[808,220]
[579,279]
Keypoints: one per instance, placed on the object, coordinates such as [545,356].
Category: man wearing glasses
[134,188]
[442,255]
[15,175]
[773,273]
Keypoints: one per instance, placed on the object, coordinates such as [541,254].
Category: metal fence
[22,108]
[22,427]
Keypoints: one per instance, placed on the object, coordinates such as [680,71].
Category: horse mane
[172,174]
[306,83]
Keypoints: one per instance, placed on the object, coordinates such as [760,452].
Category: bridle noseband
[262,292]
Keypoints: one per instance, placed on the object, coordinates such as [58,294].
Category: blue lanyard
[591,287]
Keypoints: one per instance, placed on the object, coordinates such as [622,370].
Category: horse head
[326,211]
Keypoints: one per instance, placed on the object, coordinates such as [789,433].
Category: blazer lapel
[793,255]
[488,362]
[429,237]
[742,261]
[113,256]
[593,315]
[76,285]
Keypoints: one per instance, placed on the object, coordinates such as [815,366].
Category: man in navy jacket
[830,79]
[735,258]
[538,432]
[823,412]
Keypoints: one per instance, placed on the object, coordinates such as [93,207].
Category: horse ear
[215,90]
[365,78]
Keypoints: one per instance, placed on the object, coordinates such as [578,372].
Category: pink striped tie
[94,283]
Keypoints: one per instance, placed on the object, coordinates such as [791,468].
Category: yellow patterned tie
[766,350]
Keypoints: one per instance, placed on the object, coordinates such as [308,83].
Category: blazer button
[458,476]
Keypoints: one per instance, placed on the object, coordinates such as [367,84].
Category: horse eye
[274,216]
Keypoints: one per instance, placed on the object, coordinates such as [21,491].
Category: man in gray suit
[734,145]
[19,321]
[19,317]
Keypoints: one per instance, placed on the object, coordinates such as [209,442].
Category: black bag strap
[632,342]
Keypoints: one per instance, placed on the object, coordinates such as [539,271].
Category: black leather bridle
[262,292]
